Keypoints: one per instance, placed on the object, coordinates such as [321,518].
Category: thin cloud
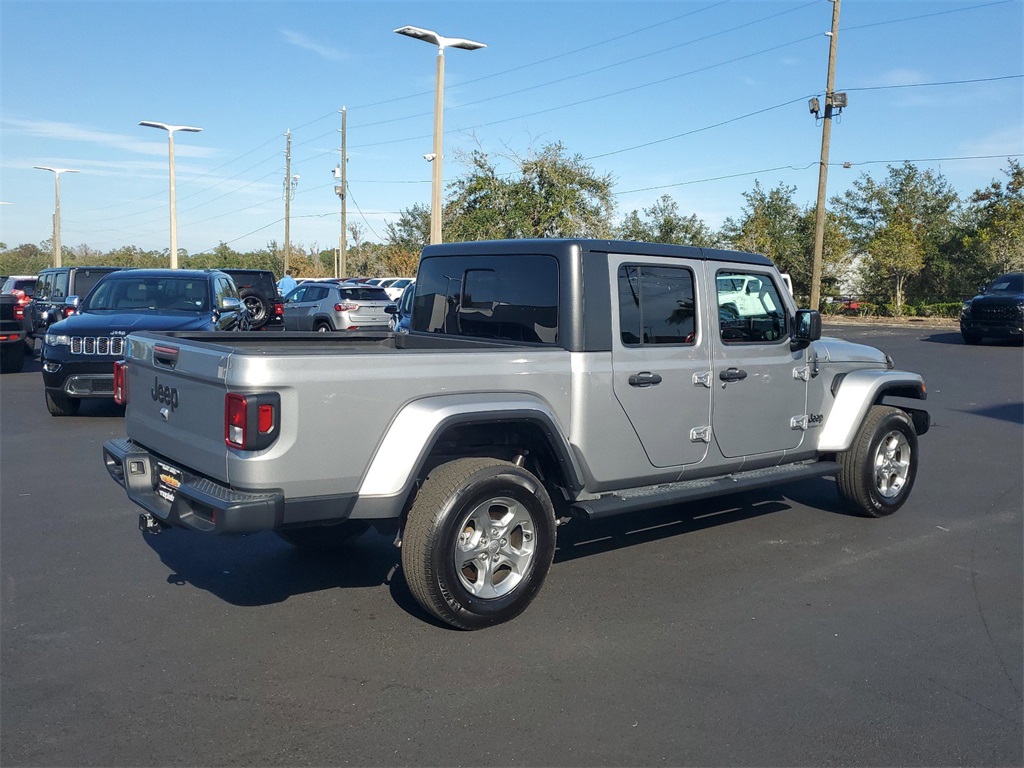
[50,129]
[900,77]
[301,41]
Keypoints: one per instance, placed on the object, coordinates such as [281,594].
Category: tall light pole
[174,211]
[56,213]
[441,42]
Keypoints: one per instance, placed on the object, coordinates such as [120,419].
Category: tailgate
[176,401]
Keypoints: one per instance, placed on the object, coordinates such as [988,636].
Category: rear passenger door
[661,358]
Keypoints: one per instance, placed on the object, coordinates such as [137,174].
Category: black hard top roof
[187,273]
[556,246]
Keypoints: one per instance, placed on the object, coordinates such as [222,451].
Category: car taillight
[345,307]
[278,309]
[19,312]
[120,382]
[68,311]
[251,421]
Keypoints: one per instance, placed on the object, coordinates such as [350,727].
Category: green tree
[552,194]
[995,233]
[771,223]
[897,253]
[908,198]
[662,223]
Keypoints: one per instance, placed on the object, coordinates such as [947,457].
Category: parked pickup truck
[12,333]
[541,380]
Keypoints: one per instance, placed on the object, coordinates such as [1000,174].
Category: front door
[760,388]
[661,359]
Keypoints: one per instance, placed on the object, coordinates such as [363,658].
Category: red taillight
[345,307]
[278,309]
[19,312]
[68,311]
[235,408]
[265,420]
[250,421]
[120,382]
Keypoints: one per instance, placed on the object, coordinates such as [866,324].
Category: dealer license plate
[168,480]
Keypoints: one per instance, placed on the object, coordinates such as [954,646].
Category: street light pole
[436,178]
[170,151]
[56,214]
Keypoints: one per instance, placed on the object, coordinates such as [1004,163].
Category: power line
[812,164]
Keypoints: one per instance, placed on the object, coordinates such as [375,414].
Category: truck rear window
[514,298]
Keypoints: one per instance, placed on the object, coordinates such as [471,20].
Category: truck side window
[43,286]
[59,289]
[656,305]
[749,308]
[514,297]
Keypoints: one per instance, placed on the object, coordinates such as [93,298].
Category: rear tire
[62,405]
[877,473]
[478,542]
[325,537]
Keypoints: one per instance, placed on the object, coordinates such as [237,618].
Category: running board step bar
[649,497]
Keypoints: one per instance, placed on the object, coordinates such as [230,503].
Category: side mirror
[391,309]
[807,327]
[71,304]
[230,304]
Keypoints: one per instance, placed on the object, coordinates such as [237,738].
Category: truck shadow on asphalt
[261,569]
[957,339]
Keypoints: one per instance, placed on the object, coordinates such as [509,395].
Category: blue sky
[696,99]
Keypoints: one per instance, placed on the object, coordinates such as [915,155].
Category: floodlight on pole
[56,213]
[442,42]
[170,151]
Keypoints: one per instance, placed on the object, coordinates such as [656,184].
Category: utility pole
[341,173]
[289,192]
[832,100]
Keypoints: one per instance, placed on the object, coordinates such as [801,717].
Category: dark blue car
[79,352]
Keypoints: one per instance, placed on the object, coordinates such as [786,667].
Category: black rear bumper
[199,503]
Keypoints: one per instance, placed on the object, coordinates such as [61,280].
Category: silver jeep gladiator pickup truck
[542,380]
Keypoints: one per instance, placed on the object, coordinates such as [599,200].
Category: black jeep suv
[79,352]
[53,286]
[997,312]
[258,292]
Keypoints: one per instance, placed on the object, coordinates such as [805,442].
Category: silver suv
[323,307]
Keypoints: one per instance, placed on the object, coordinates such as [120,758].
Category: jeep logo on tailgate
[164,394]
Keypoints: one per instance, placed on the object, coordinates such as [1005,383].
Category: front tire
[970,337]
[62,405]
[323,327]
[478,542]
[877,473]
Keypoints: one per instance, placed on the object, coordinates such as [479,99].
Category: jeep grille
[97,345]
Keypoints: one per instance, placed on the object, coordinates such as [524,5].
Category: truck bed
[301,343]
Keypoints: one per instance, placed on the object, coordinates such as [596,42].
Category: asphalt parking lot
[763,629]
